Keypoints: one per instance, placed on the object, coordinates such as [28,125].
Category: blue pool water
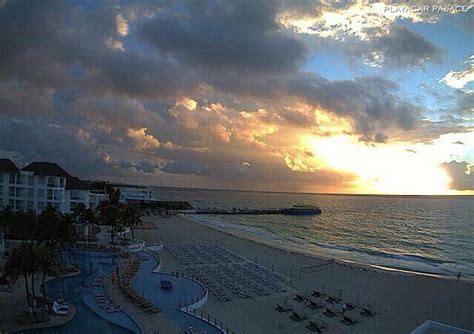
[73,290]
[147,284]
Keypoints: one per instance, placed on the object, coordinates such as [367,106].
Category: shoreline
[401,301]
[340,261]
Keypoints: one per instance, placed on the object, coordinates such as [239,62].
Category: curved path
[147,284]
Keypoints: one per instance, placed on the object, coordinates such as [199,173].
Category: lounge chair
[333,300]
[329,313]
[312,305]
[299,298]
[348,321]
[349,307]
[296,317]
[281,308]
[367,313]
[316,294]
[313,327]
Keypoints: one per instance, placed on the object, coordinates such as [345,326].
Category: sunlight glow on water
[422,233]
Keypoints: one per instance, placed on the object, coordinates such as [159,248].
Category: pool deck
[155,323]
[15,303]
[147,284]
[54,320]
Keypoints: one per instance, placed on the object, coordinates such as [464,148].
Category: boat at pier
[302,210]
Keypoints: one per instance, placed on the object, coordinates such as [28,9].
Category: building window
[50,194]
[30,205]
[30,180]
[30,193]
[50,181]
[40,206]
[12,178]
[11,191]
[61,182]
[20,179]
[41,193]
[41,179]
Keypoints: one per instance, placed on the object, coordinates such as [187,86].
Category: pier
[234,211]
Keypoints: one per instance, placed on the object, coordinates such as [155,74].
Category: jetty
[235,211]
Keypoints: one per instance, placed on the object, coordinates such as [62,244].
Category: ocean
[425,234]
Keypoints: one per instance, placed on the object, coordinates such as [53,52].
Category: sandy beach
[402,301]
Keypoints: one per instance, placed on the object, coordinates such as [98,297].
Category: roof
[74,183]
[7,166]
[46,168]
[53,169]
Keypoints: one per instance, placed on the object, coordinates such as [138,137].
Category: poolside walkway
[157,323]
[147,284]
[54,321]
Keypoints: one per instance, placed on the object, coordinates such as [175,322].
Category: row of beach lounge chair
[203,254]
[102,297]
[327,311]
[125,287]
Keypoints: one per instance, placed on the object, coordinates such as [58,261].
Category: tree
[131,217]
[47,223]
[109,215]
[46,264]
[21,262]
[7,218]
[114,195]
[64,233]
[84,215]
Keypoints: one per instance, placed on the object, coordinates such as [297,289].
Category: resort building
[134,194]
[41,184]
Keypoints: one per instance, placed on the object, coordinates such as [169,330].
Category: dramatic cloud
[460,79]
[400,47]
[240,35]
[461,174]
[122,25]
[218,93]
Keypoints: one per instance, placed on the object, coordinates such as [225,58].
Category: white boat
[302,210]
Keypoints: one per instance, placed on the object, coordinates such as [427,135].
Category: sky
[300,95]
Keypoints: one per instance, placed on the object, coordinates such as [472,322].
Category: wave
[368,256]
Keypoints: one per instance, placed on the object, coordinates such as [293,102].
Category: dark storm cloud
[43,141]
[458,172]
[46,40]
[402,47]
[146,167]
[73,96]
[239,35]
[187,166]
[371,103]
[399,48]
[23,99]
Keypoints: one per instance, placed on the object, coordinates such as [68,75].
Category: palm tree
[47,225]
[109,215]
[21,262]
[7,218]
[84,215]
[131,217]
[47,265]
[64,234]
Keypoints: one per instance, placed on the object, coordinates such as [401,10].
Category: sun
[382,169]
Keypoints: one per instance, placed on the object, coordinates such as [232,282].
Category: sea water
[429,234]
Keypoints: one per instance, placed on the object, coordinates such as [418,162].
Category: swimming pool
[74,289]
[147,284]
